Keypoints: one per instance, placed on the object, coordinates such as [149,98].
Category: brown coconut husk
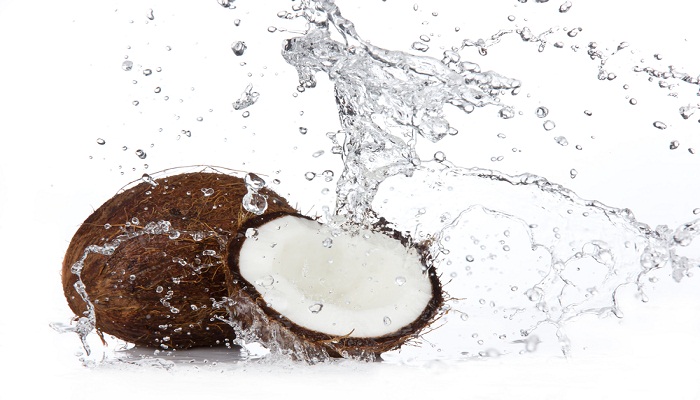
[157,290]
[262,323]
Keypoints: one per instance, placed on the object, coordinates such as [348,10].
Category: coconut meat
[362,285]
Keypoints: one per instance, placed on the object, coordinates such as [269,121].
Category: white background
[62,87]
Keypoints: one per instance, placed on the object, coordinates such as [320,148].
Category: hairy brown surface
[155,289]
[277,332]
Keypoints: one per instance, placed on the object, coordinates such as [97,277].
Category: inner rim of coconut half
[362,285]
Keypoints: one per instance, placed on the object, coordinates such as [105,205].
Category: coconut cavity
[148,266]
[297,284]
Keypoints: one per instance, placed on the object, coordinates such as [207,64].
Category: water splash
[542,255]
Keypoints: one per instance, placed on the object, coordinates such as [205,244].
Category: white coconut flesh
[364,285]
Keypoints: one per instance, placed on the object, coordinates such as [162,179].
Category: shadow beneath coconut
[196,356]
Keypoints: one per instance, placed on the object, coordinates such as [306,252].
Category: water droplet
[573,173]
[251,233]
[207,191]
[506,113]
[470,258]
[237,22]
[127,65]
[565,7]
[659,125]
[107,226]
[254,181]
[239,48]
[415,7]
[245,114]
[318,154]
[135,221]
[549,125]
[574,32]
[309,176]
[696,211]
[159,289]
[439,156]
[149,179]
[387,321]
[400,280]
[255,203]
[588,113]
[147,72]
[420,46]
[141,154]
[658,56]
[135,102]
[100,141]
[561,140]
[327,243]
[633,101]
[464,316]
[316,308]
[674,145]
[542,112]
[511,18]
[271,29]
[150,15]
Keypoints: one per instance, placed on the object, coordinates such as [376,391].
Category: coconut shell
[264,324]
[159,289]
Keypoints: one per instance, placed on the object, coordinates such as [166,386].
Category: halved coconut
[299,287]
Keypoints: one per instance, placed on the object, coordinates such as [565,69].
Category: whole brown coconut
[158,287]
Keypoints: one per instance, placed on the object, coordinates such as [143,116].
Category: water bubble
[674,145]
[100,141]
[659,125]
[328,175]
[245,114]
[316,308]
[310,175]
[633,101]
[565,7]
[469,258]
[542,112]
[327,243]
[135,102]
[207,191]
[303,130]
[573,173]
[238,48]
[549,125]
[141,154]
[561,140]
[400,280]
[127,65]
[420,46]
[439,156]
[147,72]
[387,321]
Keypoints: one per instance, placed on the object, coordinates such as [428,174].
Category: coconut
[151,260]
[302,288]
